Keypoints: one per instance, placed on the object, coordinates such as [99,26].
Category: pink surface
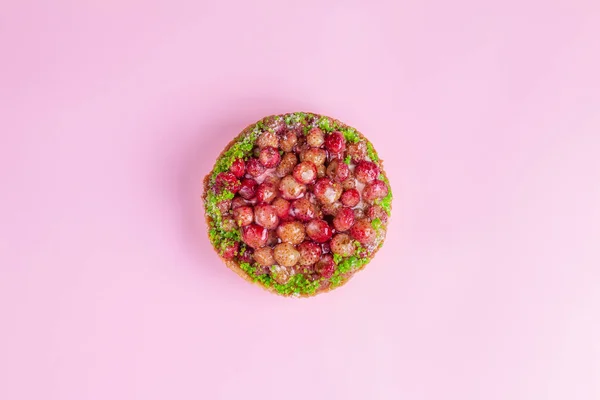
[488,117]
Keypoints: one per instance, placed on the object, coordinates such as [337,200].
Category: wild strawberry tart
[298,203]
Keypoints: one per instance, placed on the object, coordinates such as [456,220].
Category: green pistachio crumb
[350,135]
[335,280]
[372,153]
[376,224]
[325,124]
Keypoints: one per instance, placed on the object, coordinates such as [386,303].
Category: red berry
[254,236]
[305,172]
[254,167]
[357,151]
[315,137]
[282,208]
[230,251]
[267,139]
[335,142]
[325,266]
[318,230]
[266,192]
[338,170]
[314,155]
[327,191]
[238,168]
[248,189]
[265,216]
[344,219]
[287,164]
[238,202]
[269,157]
[366,171]
[290,189]
[291,232]
[243,215]
[303,210]
[224,206]
[350,198]
[363,232]
[310,252]
[343,245]
[227,181]
[264,256]
[377,189]
[288,141]
[286,255]
[377,211]
[326,247]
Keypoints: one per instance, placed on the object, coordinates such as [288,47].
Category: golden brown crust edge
[232,265]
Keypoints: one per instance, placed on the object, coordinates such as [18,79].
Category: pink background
[488,117]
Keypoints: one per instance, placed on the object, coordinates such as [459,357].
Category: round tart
[297,203]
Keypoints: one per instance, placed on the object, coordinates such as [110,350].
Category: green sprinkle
[335,280]
[351,263]
[298,284]
[386,202]
[372,153]
[296,118]
[325,124]
[376,224]
[351,135]
[337,258]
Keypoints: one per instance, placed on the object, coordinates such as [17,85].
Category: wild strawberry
[325,266]
[318,230]
[254,236]
[344,219]
[303,210]
[305,172]
[227,181]
[290,188]
[335,142]
[376,189]
[243,215]
[363,231]
[327,191]
[269,157]
[254,167]
[310,252]
[366,171]
[286,255]
[265,216]
[238,168]
[350,198]
[248,188]
[266,192]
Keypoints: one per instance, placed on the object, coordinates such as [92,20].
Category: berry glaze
[298,203]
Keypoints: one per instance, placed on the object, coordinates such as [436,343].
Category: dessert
[297,203]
